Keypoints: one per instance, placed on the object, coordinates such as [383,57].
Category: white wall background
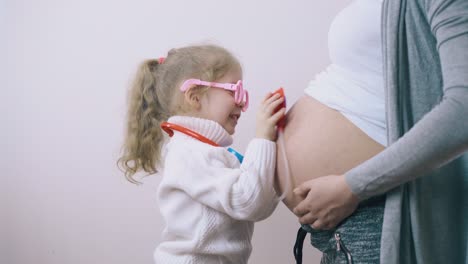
[65,68]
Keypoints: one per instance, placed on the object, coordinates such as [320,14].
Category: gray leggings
[355,240]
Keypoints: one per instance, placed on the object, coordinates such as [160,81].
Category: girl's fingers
[269,108]
[270,99]
[278,115]
[268,95]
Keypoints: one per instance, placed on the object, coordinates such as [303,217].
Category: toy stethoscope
[169,129]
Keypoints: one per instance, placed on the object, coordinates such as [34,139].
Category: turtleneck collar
[207,128]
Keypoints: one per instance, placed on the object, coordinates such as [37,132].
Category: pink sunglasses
[241,96]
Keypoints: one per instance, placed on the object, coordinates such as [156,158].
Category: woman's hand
[328,200]
[267,119]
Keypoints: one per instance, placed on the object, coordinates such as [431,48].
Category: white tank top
[353,83]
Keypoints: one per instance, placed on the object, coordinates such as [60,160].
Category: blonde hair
[155,96]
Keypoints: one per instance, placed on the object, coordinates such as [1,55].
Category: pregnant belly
[319,141]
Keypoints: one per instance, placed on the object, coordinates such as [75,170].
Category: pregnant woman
[338,128]
[340,122]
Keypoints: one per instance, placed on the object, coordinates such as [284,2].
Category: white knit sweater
[208,200]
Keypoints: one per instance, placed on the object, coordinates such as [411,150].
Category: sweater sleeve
[244,193]
[442,134]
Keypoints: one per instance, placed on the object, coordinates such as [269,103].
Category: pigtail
[144,138]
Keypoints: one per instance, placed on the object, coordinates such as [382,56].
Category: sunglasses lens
[239,93]
[246,100]
[241,96]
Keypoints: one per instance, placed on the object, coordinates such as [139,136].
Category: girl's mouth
[235,117]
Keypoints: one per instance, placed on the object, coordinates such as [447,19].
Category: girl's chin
[231,130]
[231,127]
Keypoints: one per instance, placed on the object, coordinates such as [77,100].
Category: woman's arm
[441,135]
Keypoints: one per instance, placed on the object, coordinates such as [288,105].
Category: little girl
[208,196]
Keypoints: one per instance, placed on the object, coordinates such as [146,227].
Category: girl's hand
[266,119]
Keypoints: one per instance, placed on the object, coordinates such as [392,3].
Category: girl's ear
[193,98]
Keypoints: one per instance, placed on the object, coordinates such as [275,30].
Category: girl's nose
[242,106]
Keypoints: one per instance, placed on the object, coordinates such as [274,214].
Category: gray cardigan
[425,170]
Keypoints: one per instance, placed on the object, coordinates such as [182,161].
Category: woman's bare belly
[319,141]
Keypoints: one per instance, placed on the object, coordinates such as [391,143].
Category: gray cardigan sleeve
[442,134]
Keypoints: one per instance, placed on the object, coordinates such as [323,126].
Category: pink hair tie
[161,60]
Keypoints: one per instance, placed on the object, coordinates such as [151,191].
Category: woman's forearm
[442,134]
[439,137]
